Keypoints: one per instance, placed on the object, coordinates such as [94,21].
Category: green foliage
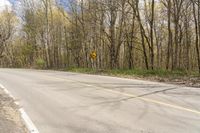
[40,63]
[148,73]
[135,72]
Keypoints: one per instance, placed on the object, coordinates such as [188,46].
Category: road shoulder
[10,117]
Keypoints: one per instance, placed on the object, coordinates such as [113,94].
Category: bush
[40,63]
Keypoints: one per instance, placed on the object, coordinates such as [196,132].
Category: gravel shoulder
[10,118]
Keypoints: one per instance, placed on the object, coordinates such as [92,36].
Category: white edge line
[29,124]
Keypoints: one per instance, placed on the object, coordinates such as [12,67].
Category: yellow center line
[155,101]
[134,96]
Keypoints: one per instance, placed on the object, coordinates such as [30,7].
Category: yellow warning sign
[93,55]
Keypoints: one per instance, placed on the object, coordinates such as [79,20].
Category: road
[63,102]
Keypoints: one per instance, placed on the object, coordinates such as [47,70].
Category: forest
[121,34]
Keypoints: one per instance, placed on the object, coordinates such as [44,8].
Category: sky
[5,4]
[9,3]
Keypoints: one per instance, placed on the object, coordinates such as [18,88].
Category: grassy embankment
[187,78]
[136,72]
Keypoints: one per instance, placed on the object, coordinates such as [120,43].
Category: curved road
[62,102]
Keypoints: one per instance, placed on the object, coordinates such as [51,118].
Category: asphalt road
[60,102]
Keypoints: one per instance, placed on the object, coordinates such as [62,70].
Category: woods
[125,34]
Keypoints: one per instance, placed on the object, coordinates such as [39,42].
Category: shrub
[40,63]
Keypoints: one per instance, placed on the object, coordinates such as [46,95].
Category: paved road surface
[60,102]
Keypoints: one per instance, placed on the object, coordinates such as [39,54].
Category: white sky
[4,4]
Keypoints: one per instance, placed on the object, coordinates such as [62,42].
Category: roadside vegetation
[181,77]
[135,72]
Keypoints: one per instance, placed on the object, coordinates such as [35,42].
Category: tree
[8,22]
